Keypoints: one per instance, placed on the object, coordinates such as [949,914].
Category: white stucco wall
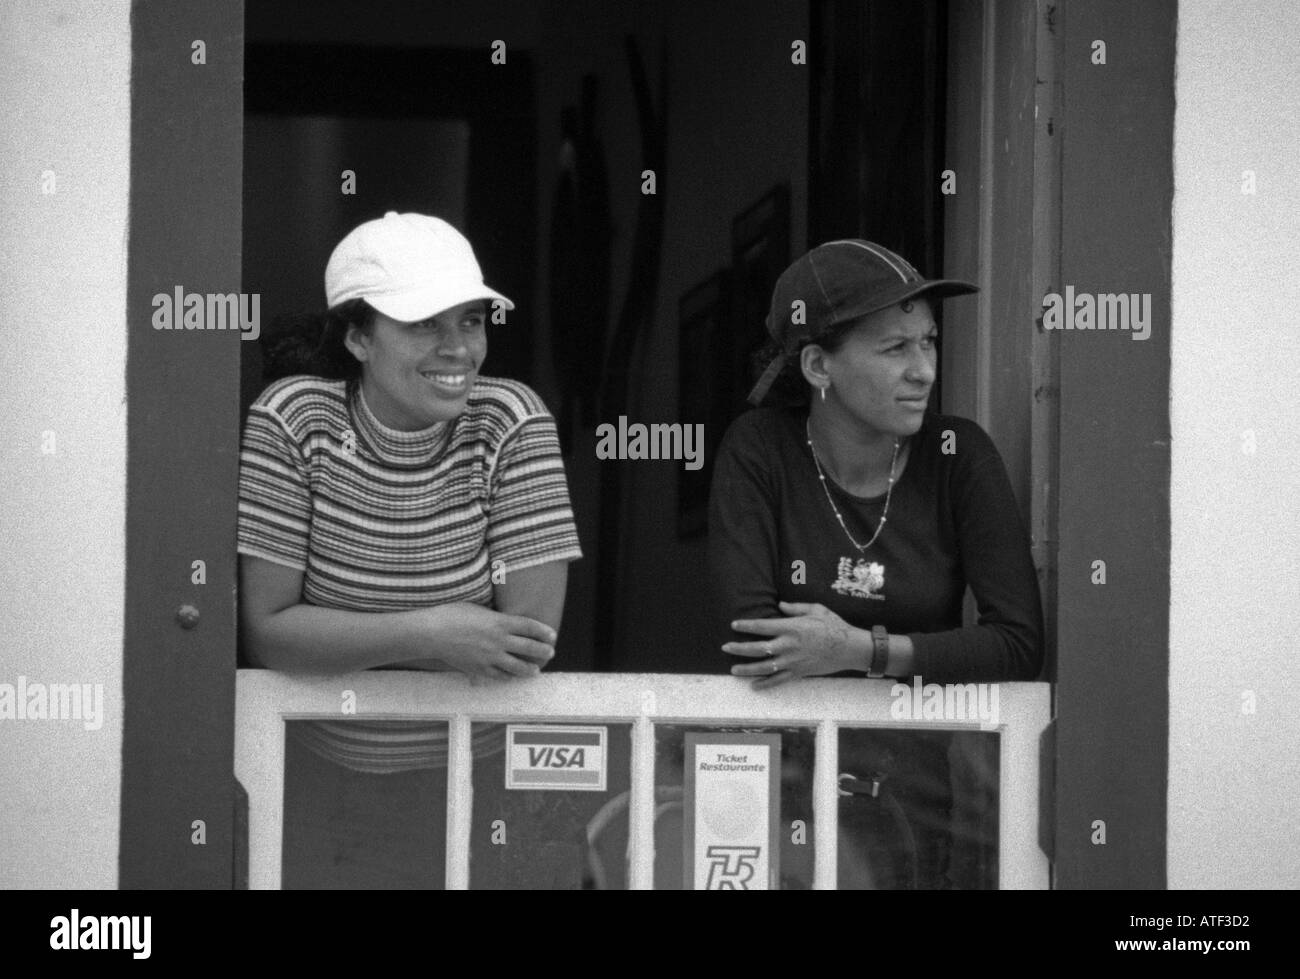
[1234,773]
[64,99]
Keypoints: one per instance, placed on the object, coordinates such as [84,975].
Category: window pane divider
[641,828]
[460,801]
[826,807]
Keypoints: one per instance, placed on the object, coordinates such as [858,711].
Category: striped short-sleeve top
[384,520]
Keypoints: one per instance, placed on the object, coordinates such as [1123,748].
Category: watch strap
[879,652]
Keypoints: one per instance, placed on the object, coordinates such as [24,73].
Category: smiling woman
[398,509]
[382,473]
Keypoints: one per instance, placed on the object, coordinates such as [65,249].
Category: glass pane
[365,804]
[550,806]
[793,836]
[921,810]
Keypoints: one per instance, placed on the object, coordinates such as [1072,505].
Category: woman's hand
[811,641]
[477,641]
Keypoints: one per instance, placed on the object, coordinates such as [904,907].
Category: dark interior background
[406,96]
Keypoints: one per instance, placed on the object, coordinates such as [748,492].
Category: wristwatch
[879,652]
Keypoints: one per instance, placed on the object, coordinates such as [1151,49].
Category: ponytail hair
[312,343]
[790,389]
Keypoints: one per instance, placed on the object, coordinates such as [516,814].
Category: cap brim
[938,288]
[415,305]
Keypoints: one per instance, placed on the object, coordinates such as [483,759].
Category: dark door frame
[1065,178]
[1112,664]
[178,683]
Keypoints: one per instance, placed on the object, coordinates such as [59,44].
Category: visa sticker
[540,756]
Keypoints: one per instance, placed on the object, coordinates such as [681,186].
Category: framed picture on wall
[705,394]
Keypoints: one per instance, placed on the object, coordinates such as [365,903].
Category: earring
[823,395]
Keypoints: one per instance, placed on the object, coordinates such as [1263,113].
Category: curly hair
[312,343]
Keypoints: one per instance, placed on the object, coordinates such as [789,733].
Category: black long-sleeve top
[953,521]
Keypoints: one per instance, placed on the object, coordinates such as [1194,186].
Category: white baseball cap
[407,266]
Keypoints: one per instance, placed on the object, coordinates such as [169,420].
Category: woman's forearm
[985,653]
[902,656]
[310,639]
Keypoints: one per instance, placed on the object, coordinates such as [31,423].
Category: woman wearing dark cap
[844,529]
[843,532]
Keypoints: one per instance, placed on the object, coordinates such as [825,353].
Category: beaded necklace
[863,578]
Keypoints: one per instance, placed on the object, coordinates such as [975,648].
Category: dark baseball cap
[838,282]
